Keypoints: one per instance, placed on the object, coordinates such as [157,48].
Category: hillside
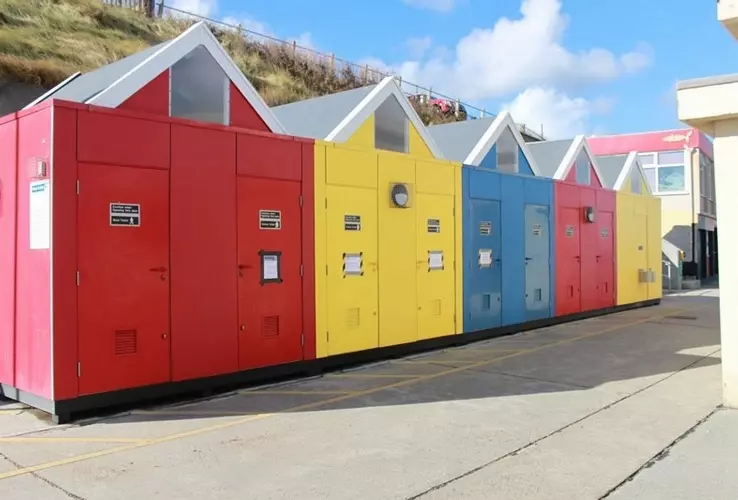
[42,42]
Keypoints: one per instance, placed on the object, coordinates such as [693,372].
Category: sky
[564,67]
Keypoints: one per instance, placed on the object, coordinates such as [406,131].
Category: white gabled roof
[577,145]
[631,163]
[488,140]
[112,85]
[369,104]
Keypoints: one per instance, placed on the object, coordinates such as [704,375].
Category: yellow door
[351,220]
[398,306]
[435,263]
[641,227]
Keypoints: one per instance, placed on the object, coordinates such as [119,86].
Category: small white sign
[271,267]
[485,257]
[352,263]
[435,260]
[40,215]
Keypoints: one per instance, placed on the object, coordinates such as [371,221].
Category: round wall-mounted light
[399,195]
[589,214]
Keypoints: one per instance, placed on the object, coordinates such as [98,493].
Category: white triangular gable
[577,145]
[632,166]
[369,104]
[164,58]
[490,136]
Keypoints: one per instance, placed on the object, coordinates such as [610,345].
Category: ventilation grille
[352,317]
[270,326]
[126,342]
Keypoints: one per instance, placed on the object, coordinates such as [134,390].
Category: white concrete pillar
[726,179]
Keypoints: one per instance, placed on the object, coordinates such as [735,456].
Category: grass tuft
[42,42]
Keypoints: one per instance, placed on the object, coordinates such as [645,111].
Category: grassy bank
[42,42]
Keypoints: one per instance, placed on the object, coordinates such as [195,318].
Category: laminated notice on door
[39,215]
[352,263]
[604,232]
[434,225]
[537,230]
[485,228]
[435,260]
[270,270]
[569,231]
[485,257]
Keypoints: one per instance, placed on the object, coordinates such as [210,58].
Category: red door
[568,271]
[590,284]
[123,252]
[270,281]
[605,260]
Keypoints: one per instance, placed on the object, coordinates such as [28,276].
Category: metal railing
[364,73]
[146,6]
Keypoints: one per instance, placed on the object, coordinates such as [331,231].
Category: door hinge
[327,336]
[326,203]
[454,211]
[79,369]
[76,187]
[326,270]
[302,270]
[302,339]
[76,278]
[300,200]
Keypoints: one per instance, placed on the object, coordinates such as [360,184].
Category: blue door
[484,264]
[537,262]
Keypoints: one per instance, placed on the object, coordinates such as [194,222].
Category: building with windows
[680,170]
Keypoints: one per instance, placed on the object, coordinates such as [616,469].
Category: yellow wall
[638,246]
[396,299]
[655,288]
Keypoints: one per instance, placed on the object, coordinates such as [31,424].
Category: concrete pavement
[566,412]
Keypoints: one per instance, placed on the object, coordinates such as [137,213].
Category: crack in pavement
[535,442]
[659,456]
[49,482]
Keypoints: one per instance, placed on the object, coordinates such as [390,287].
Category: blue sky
[571,66]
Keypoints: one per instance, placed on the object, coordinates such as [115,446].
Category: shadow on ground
[582,356]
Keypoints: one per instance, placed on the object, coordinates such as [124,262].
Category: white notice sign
[40,215]
[435,260]
[271,267]
[352,263]
[485,257]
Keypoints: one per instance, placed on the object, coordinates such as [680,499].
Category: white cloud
[418,46]
[436,5]
[560,115]
[517,53]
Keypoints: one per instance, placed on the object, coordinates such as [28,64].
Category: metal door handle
[158,269]
[529,258]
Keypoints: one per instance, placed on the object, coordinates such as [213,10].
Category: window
[583,174]
[199,88]
[635,182]
[646,159]
[390,126]
[651,178]
[508,152]
[664,171]
[707,184]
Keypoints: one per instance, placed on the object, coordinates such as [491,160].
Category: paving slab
[702,465]
[399,437]
[30,488]
[586,459]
